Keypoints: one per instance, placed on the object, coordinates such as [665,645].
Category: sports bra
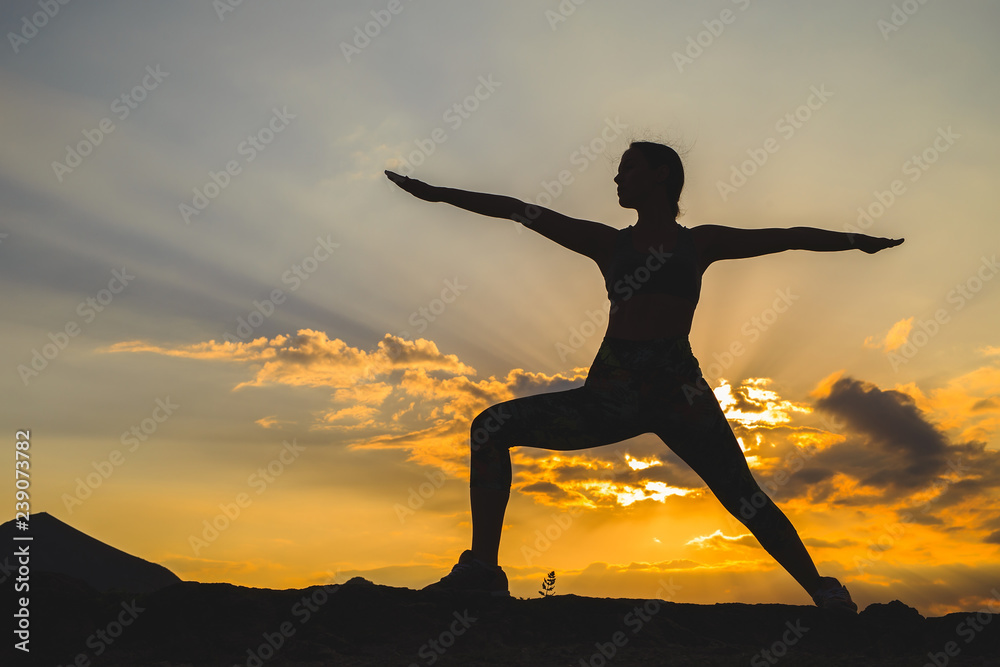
[676,273]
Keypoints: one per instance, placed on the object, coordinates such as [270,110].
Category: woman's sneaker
[472,574]
[834,597]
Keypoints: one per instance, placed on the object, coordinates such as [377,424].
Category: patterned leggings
[634,387]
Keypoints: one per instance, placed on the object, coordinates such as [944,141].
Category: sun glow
[755,405]
[627,494]
[641,464]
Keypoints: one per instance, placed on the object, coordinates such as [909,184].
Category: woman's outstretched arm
[495,206]
[592,239]
[718,242]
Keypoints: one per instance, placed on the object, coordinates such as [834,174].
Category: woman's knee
[487,427]
[490,458]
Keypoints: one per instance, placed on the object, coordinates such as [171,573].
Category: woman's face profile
[635,179]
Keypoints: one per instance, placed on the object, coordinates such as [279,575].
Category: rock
[892,616]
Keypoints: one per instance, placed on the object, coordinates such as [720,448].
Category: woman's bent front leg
[563,420]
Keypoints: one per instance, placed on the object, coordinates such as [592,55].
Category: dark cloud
[919,516]
[890,449]
[990,403]
[839,544]
[745,403]
[544,488]
[991,522]
[955,493]
[678,564]
[523,383]
[978,469]
[894,447]
[785,483]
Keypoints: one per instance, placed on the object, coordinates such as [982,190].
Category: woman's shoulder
[703,235]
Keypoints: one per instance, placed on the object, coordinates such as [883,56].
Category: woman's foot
[833,596]
[472,574]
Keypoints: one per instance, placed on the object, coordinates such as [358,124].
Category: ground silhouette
[362,623]
[83,619]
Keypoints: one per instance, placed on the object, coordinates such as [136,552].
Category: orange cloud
[365,394]
[719,540]
[894,338]
[271,421]
[967,406]
[357,413]
[752,404]
[250,351]
[404,395]
[823,388]
[312,359]
[409,396]
[208,570]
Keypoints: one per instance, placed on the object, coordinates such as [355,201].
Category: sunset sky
[215,303]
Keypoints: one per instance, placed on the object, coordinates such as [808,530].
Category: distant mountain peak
[58,547]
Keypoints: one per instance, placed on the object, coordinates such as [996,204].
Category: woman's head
[654,166]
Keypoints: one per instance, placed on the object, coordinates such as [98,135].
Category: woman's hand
[872,244]
[418,189]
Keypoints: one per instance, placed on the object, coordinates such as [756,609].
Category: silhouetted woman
[645,378]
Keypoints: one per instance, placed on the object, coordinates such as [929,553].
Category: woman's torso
[653,277]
